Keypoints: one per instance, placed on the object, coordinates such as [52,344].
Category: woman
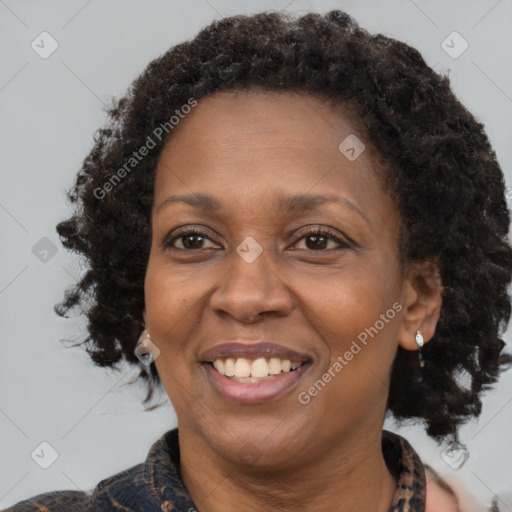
[298,228]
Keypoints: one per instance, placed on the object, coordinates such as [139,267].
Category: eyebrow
[298,203]
[307,202]
[202,202]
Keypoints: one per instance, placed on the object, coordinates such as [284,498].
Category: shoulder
[151,486]
[123,491]
[52,502]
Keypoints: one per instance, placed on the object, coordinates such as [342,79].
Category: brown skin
[247,149]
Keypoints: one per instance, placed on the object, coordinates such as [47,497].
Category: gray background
[50,109]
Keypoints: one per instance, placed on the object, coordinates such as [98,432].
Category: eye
[190,239]
[318,239]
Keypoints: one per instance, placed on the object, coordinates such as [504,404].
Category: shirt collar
[405,465]
[163,475]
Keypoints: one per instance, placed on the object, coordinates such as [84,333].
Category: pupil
[319,242]
[190,238]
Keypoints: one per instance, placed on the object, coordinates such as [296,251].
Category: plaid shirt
[156,485]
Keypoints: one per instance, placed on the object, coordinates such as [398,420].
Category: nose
[250,291]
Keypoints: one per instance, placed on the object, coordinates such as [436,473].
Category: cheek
[171,292]
[356,315]
[170,303]
[344,303]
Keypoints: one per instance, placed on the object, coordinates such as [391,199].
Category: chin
[259,443]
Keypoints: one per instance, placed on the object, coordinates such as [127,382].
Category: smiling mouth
[261,369]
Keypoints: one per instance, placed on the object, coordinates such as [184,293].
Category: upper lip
[252,349]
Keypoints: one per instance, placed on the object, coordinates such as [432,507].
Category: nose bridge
[252,285]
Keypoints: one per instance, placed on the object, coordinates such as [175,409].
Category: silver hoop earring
[144,335]
[419,344]
[145,350]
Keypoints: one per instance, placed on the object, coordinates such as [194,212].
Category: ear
[421,300]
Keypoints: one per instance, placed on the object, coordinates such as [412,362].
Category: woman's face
[253,285]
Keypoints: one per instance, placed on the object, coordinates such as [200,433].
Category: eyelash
[323,232]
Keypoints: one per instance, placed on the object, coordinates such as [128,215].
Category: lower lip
[254,392]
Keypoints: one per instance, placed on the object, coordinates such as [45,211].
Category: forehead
[251,145]
[302,120]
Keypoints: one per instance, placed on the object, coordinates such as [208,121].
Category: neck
[348,477]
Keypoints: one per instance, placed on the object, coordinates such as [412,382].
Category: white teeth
[274,366]
[242,367]
[218,364]
[261,368]
[229,367]
[286,365]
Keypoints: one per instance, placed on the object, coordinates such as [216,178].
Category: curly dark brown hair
[441,172]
